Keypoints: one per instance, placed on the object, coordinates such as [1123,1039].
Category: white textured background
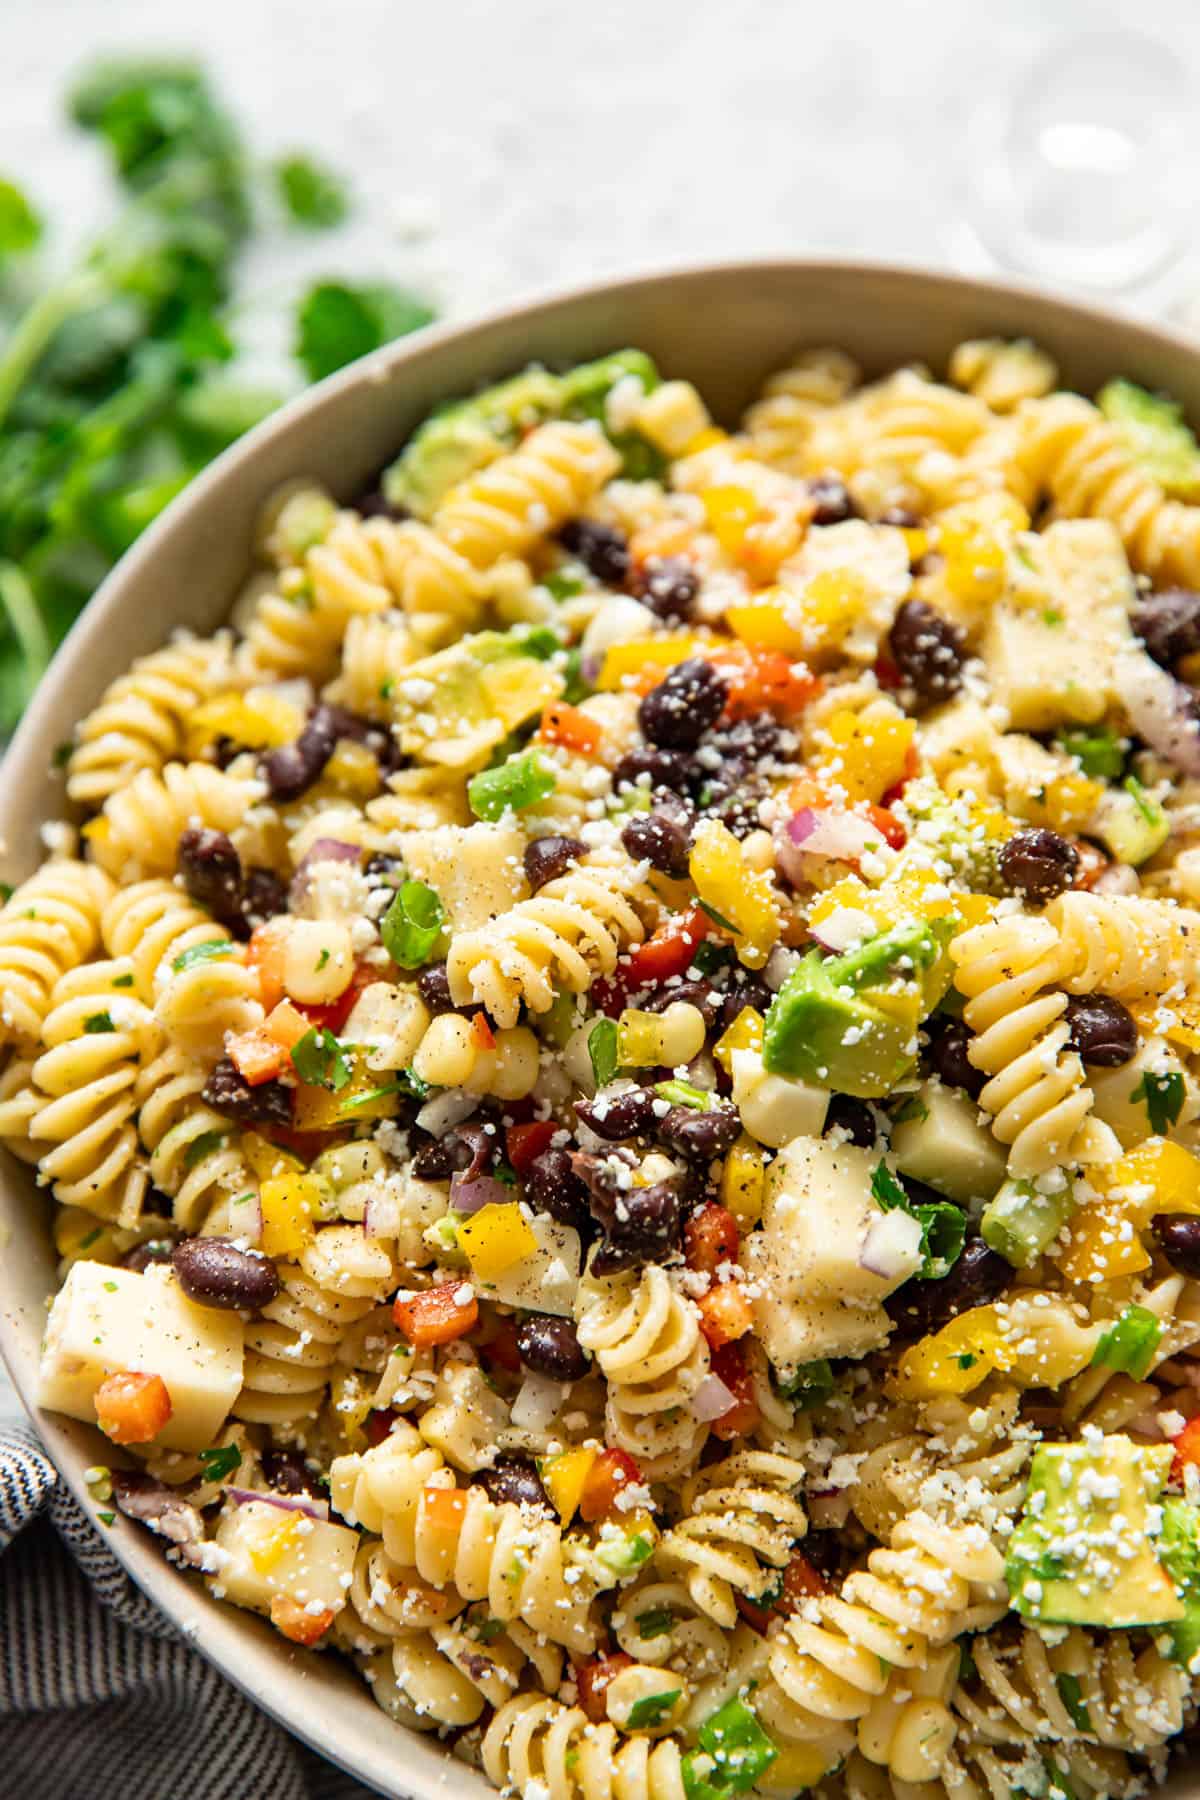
[498,146]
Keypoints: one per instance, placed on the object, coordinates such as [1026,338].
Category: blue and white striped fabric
[99,1695]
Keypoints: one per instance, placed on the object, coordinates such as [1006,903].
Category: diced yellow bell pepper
[746,1033]
[266,1159]
[259,719]
[495,1238]
[833,602]
[1179,1022]
[626,663]
[917,541]
[743,1180]
[351,1401]
[367,1095]
[1066,805]
[269,1550]
[866,756]
[1104,1244]
[952,1361]
[1156,1177]
[707,439]
[742,896]
[796,1767]
[730,511]
[564,1479]
[289,1205]
[639,1039]
[764,624]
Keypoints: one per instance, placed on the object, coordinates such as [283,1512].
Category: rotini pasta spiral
[194,1153]
[527,494]
[48,925]
[659,1623]
[979,1772]
[376,650]
[1112,1400]
[137,834]
[198,1003]
[1127,1699]
[20,1103]
[832,1658]
[1075,456]
[1001,372]
[647,1340]
[740,1520]
[536,1745]
[291,1349]
[151,923]
[97,1036]
[1128,947]
[141,719]
[780,423]
[357,570]
[1036,1092]
[573,929]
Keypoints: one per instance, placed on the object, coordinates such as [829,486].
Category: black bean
[701,1135]
[292,768]
[854,1117]
[1169,624]
[287,1472]
[978,1276]
[620,1116]
[950,1040]
[375,505]
[548,1345]
[546,858]
[751,991]
[668,586]
[513,1481]
[433,985]
[213,1272]
[154,1250]
[639,1224]
[479,1148]
[707,999]
[602,549]
[1103,1031]
[161,1510]
[264,896]
[928,651]
[211,871]
[384,871]
[676,714]
[746,742]
[270,1103]
[667,769]
[1178,1237]
[1038,863]
[553,1187]
[659,839]
[832,504]
[435,1160]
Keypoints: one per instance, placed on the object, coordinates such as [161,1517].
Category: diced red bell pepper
[728,1363]
[378,1424]
[669,952]
[572,729]
[710,1237]
[131,1408]
[525,1143]
[333,1016]
[592,1678]
[1187,1450]
[265,955]
[725,1314]
[912,764]
[801,1579]
[436,1316]
[886,823]
[761,680]
[611,1471]
[500,1350]
[482,1032]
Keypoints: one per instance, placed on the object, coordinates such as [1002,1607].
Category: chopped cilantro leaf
[1163,1095]
[320,1060]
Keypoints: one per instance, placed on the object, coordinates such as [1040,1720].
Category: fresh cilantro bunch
[116,384]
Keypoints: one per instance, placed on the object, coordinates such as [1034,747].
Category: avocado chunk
[585,389]
[1130,824]
[467,435]
[1083,1552]
[1024,1218]
[1179,1548]
[1153,429]
[850,1022]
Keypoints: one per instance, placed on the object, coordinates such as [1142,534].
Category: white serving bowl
[725,327]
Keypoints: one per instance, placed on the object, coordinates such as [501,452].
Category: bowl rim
[223,1644]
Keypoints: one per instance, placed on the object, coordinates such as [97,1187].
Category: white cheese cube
[546,1279]
[105,1319]
[269,1552]
[942,1143]
[476,871]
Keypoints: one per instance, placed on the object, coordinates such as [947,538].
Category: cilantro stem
[38,325]
[21,610]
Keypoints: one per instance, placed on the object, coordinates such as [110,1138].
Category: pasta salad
[616,1061]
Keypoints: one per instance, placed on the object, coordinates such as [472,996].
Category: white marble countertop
[498,148]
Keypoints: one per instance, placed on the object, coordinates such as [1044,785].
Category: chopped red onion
[1161,709]
[779,966]
[712,1399]
[445,1111]
[467,1196]
[892,1246]
[831,835]
[293,1503]
[320,851]
[538,1403]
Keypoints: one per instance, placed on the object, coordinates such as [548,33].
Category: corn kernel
[646,1039]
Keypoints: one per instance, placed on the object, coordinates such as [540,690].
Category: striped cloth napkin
[99,1695]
